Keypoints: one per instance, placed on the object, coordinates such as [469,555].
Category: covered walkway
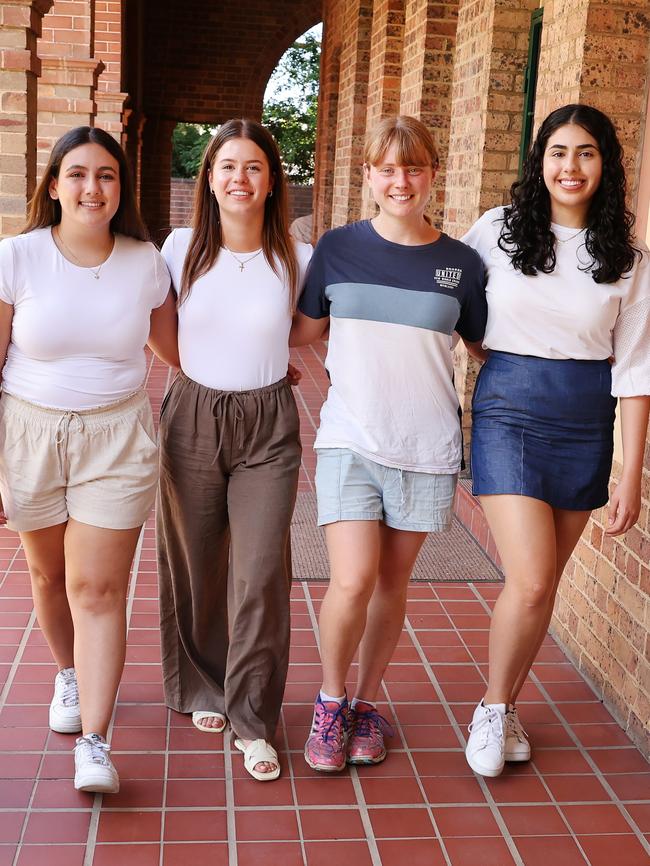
[186,800]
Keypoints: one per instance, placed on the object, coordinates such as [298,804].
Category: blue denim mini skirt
[543,428]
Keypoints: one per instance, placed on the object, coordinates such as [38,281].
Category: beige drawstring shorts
[98,466]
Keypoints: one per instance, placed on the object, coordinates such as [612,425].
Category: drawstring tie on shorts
[62,431]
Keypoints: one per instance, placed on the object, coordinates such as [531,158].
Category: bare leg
[387,607]
[45,558]
[569,526]
[354,550]
[97,572]
[524,533]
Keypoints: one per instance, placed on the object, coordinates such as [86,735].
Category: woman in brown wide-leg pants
[230,449]
[217,496]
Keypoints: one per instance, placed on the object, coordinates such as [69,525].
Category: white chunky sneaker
[65,716]
[486,743]
[517,747]
[93,769]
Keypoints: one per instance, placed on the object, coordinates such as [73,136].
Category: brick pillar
[429,43]
[108,35]
[356,18]
[485,129]
[384,73]
[328,100]
[156,176]
[66,98]
[20,26]
[594,54]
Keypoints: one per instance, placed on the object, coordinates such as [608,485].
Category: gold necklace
[241,262]
[94,271]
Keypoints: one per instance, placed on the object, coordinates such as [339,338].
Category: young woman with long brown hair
[230,449]
[81,292]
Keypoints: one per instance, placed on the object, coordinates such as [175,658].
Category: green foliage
[291,111]
[188,143]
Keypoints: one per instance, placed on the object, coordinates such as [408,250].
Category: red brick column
[427,69]
[108,35]
[66,98]
[328,101]
[384,72]
[155,176]
[485,128]
[20,25]
[356,19]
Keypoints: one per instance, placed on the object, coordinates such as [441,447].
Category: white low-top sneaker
[65,715]
[517,747]
[93,769]
[486,743]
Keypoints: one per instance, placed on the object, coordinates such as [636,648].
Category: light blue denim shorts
[351,487]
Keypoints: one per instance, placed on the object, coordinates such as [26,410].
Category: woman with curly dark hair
[568,333]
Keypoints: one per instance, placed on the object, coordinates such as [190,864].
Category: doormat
[453,556]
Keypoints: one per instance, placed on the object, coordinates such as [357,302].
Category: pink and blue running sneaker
[325,746]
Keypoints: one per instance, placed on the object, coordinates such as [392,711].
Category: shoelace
[489,726]
[334,714]
[515,727]
[98,749]
[365,722]
[70,689]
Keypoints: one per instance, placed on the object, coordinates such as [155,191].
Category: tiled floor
[186,800]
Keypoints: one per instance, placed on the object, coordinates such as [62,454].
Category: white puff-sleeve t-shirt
[233,328]
[565,314]
[77,342]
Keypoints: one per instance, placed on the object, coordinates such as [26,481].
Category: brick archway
[201,63]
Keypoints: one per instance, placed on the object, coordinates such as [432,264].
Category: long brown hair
[45,211]
[207,238]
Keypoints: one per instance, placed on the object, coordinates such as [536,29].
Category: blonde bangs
[412,140]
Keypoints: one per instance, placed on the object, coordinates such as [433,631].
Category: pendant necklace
[241,262]
[94,271]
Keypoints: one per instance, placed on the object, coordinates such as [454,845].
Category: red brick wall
[182,196]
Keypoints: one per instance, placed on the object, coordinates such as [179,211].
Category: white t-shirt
[78,342]
[565,314]
[233,328]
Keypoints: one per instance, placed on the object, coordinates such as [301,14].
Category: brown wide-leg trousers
[229,466]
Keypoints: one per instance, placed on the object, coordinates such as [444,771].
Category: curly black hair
[526,235]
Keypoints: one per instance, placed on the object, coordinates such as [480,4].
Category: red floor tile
[332,824]
[466,821]
[53,827]
[488,851]
[533,821]
[134,855]
[414,852]
[186,826]
[326,853]
[206,854]
[596,818]
[542,850]
[621,850]
[259,826]
[52,855]
[266,854]
[129,827]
